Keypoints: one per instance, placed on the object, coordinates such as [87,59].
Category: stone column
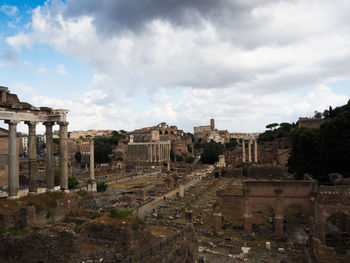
[50,177]
[13,178]
[159,152]
[32,156]
[243,151]
[250,151]
[255,151]
[92,160]
[279,225]
[150,148]
[63,155]
[92,187]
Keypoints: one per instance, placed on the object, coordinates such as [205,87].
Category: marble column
[91,186]
[250,151]
[243,151]
[92,160]
[150,149]
[63,155]
[32,156]
[50,176]
[255,151]
[13,177]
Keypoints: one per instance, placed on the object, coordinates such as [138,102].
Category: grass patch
[120,214]
[12,231]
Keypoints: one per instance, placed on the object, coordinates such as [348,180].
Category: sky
[131,64]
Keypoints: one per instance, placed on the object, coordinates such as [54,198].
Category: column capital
[30,123]
[63,123]
[49,123]
[12,121]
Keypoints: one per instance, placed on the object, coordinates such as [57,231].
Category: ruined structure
[318,203]
[13,111]
[310,122]
[145,146]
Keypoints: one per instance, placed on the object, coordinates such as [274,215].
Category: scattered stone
[281,250]
[118,257]
[268,245]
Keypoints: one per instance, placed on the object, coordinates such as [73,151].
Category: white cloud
[9,10]
[60,69]
[20,88]
[245,73]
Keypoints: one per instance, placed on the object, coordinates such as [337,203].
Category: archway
[263,220]
[166,132]
[160,132]
[296,224]
[337,231]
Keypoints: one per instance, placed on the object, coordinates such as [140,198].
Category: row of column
[159,152]
[13,176]
[250,151]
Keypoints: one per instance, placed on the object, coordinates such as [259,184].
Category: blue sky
[126,66]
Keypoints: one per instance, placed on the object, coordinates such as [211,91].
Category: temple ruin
[13,111]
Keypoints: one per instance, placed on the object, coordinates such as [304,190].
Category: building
[145,147]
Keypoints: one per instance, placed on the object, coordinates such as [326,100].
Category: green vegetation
[211,152]
[285,130]
[12,231]
[189,159]
[189,148]
[56,140]
[101,187]
[317,151]
[72,182]
[120,214]
[230,145]
[103,146]
[322,151]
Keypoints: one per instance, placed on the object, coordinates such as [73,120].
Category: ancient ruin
[13,111]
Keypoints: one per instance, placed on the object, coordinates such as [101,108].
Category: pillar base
[33,193]
[66,191]
[91,186]
[13,197]
[51,190]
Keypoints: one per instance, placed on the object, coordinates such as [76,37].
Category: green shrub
[13,231]
[102,187]
[72,182]
[189,159]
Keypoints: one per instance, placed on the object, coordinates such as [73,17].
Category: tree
[189,148]
[78,156]
[211,152]
[317,114]
[231,144]
[271,125]
[102,151]
[101,187]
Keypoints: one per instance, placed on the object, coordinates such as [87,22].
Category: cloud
[241,62]
[9,55]
[21,88]
[60,69]
[9,10]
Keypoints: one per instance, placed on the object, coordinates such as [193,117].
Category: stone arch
[166,132]
[160,132]
[337,232]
